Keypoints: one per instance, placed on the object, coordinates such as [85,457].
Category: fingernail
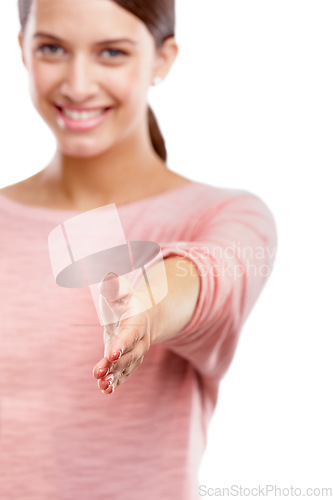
[116,355]
[109,386]
[102,372]
[106,382]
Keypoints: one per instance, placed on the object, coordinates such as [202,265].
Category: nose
[79,83]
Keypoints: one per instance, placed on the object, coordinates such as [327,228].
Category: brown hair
[159,17]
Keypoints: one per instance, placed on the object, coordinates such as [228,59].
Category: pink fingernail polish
[110,382]
[116,355]
[103,372]
[105,384]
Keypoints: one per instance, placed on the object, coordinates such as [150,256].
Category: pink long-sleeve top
[61,438]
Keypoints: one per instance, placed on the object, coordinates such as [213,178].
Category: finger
[109,285]
[101,369]
[113,287]
[128,336]
[115,295]
[127,372]
[115,351]
[109,335]
[110,317]
[125,361]
[109,384]
[122,369]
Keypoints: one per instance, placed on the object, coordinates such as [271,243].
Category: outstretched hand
[127,338]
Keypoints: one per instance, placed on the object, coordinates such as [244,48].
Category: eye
[50,49]
[112,53]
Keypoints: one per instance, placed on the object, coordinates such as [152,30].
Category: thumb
[114,287]
[112,290]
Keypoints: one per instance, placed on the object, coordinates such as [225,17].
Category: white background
[248,104]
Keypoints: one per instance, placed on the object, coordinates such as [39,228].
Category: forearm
[170,315]
[152,324]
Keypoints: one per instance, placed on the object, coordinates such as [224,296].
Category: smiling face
[90,64]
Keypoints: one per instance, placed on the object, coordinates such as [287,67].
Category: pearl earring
[157,80]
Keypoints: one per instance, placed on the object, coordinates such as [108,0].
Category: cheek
[128,84]
[42,81]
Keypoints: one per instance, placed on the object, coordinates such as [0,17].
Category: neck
[119,175]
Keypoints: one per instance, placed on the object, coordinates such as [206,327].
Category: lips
[81,118]
[79,108]
[81,113]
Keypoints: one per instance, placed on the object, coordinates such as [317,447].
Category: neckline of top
[40,212]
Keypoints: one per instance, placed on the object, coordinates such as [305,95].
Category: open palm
[126,332]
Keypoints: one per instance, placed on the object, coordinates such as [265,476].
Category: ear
[20,40]
[165,57]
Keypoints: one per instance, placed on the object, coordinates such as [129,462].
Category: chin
[81,148]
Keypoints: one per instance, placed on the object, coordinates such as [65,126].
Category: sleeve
[233,245]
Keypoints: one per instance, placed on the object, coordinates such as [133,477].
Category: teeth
[82,115]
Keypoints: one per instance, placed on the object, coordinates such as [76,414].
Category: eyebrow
[103,42]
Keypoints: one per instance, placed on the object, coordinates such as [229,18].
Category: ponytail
[156,135]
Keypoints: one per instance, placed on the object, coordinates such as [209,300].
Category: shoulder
[217,207]
[211,197]
[13,191]
[22,192]
[219,197]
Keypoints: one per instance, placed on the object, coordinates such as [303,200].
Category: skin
[113,163]
[138,332]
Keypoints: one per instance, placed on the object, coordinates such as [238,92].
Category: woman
[90,65]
